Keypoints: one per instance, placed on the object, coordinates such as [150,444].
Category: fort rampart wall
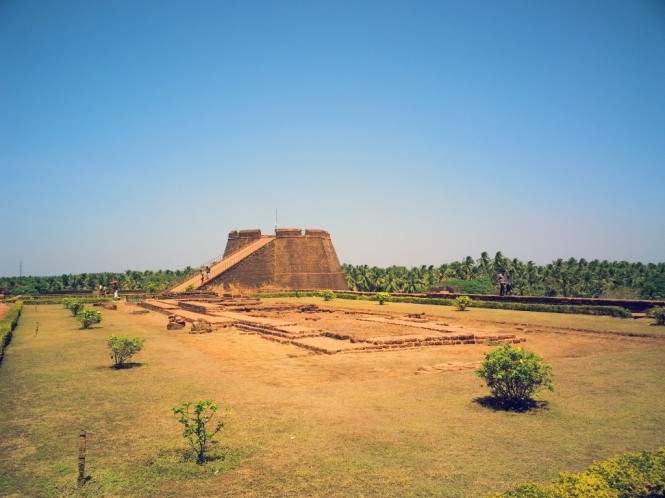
[295,259]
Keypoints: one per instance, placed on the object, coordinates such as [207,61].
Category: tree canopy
[568,278]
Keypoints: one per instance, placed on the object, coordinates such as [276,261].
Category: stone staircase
[223,265]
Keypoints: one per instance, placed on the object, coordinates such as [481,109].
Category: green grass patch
[311,425]
[7,325]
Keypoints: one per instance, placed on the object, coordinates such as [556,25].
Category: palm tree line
[567,278]
[149,281]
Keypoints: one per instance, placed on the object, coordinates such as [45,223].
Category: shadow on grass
[126,366]
[210,456]
[501,405]
[171,464]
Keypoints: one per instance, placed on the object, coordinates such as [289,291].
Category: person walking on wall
[502,284]
[509,284]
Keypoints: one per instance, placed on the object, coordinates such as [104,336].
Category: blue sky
[137,134]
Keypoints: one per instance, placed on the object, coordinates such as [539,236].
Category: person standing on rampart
[502,284]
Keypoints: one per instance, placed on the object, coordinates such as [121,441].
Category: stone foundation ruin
[321,330]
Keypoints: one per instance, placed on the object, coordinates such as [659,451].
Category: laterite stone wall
[239,239]
[295,259]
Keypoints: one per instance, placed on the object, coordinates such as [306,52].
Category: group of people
[103,291]
[205,273]
[505,284]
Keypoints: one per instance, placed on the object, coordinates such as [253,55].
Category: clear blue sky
[137,134]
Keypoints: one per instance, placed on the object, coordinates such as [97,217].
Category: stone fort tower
[290,259]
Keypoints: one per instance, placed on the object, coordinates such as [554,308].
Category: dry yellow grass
[393,423]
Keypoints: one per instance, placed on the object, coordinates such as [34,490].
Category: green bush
[633,475]
[382,297]
[658,313]
[462,302]
[328,295]
[8,324]
[88,318]
[514,376]
[195,423]
[73,305]
[123,348]
[63,300]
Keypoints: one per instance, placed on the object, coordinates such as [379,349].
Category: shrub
[382,297]
[123,348]
[88,318]
[328,295]
[195,423]
[74,306]
[633,475]
[38,300]
[658,313]
[514,376]
[462,302]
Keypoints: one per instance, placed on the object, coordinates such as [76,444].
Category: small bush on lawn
[88,318]
[123,348]
[328,295]
[197,432]
[514,376]
[462,302]
[658,313]
[74,306]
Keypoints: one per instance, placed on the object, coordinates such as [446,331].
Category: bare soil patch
[3,309]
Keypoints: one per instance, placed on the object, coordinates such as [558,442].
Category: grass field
[315,425]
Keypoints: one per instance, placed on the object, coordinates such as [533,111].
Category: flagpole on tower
[275,221]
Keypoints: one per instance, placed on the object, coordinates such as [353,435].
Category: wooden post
[81,479]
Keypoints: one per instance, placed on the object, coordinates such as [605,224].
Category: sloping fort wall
[295,259]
